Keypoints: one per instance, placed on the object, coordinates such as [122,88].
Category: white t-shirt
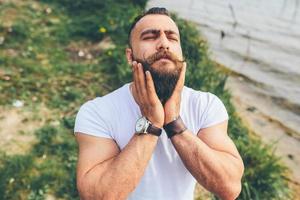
[166,178]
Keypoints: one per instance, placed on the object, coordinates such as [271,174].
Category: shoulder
[191,95]
[205,107]
[106,102]
[96,116]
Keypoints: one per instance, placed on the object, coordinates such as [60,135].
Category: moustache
[163,54]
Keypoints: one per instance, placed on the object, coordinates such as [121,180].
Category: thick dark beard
[164,81]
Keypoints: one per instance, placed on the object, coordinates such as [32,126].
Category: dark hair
[154,10]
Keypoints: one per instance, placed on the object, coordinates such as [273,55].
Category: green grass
[39,64]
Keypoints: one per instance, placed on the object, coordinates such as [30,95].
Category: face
[155,43]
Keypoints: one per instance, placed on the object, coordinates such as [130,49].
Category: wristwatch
[143,125]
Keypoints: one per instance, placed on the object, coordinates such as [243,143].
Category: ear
[129,55]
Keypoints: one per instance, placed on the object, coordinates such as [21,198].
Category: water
[261,43]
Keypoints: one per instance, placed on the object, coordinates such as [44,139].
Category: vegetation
[50,55]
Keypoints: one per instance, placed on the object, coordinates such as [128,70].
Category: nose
[163,43]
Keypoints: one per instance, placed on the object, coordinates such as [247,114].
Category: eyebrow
[156,32]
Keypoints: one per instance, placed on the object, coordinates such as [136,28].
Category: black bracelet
[175,127]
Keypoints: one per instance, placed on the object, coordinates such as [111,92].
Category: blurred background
[57,54]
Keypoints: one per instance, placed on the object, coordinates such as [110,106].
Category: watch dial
[140,125]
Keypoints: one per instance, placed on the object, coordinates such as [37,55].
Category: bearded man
[154,138]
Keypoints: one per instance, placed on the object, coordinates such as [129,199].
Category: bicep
[216,138]
[93,151]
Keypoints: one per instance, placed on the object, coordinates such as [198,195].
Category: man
[154,138]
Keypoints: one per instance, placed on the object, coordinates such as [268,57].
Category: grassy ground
[54,56]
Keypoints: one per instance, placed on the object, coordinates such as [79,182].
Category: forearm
[219,172]
[118,176]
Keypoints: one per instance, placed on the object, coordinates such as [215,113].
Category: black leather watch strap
[154,130]
[175,127]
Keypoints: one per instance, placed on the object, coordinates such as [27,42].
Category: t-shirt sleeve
[90,121]
[214,111]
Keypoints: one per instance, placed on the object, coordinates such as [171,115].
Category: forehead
[155,21]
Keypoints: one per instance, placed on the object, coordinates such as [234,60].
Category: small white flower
[11,180]
[80,53]
[48,10]
[18,103]
[44,156]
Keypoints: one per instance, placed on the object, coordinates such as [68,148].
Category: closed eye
[149,38]
[173,38]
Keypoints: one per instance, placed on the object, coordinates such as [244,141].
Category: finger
[135,78]
[180,82]
[151,88]
[136,98]
[135,83]
[133,63]
[132,69]
[141,81]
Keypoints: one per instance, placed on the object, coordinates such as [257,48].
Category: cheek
[178,52]
[143,50]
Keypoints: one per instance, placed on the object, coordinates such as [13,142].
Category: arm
[212,159]
[103,172]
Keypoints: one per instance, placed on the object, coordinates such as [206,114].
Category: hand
[172,106]
[146,96]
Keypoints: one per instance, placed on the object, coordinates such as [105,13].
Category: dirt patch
[17,128]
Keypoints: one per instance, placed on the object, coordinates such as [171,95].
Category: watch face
[140,125]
